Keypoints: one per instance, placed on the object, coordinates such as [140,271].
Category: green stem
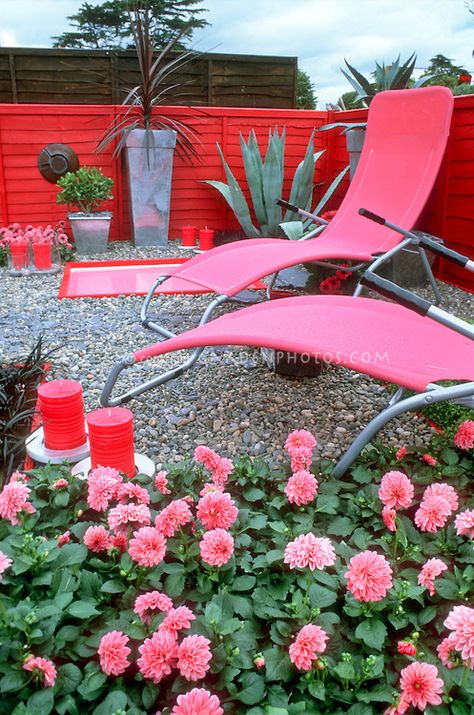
[309,582]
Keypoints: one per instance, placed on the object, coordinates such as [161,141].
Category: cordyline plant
[155,88]
[264,178]
[218,588]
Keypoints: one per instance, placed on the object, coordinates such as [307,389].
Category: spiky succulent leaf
[273,184]
[293,230]
[301,193]
[254,174]
[362,85]
[330,190]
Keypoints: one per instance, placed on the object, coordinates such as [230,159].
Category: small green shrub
[85,189]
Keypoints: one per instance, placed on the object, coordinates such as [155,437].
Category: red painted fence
[26,197]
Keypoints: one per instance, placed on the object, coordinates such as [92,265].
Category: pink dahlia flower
[128,515]
[447,652]
[420,685]
[102,485]
[406,648]
[210,487]
[221,471]
[309,551]
[432,514]
[97,539]
[396,490]
[193,657]
[464,523]
[119,541]
[400,453]
[369,576]
[216,547]
[42,668]
[429,459]
[309,643]
[300,439]
[208,458]
[400,708]
[217,510]
[464,437]
[176,514]
[148,546]
[301,458]
[113,653]
[158,656]
[429,571]
[60,484]
[5,563]
[64,538]
[446,491]
[130,490]
[389,515]
[13,500]
[301,488]
[197,702]
[461,621]
[177,619]
[149,602]
[161,482]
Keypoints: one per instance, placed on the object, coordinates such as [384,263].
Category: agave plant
[392,76]
[155,88]
[265,182]
[18,382]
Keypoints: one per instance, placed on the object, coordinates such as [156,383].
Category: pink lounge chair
[413,346]
[405,141]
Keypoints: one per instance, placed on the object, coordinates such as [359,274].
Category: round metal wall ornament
[55,160]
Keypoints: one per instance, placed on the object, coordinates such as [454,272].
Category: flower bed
[216,587]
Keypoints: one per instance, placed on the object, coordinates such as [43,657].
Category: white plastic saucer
[143,465]
[39,453]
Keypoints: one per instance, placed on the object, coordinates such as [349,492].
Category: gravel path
[229,401]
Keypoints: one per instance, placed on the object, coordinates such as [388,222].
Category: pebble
[229,400]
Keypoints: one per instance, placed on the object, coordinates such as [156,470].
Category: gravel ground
[229,400]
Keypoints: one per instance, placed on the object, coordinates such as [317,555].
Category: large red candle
[206,239]
[19,254]
[111,439]
[62,412]
[189,235]
[42,256]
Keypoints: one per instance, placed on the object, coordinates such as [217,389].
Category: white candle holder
[39,453]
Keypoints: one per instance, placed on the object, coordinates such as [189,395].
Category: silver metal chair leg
[144,317]
[433,395]
[429,273]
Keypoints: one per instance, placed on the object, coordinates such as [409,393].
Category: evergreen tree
[305,97]
[443,72]
[107,26]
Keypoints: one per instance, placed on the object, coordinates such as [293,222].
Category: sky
[320,33]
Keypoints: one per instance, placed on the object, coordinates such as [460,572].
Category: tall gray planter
[149,156]
[354,143]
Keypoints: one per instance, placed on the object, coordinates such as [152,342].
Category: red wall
[28,198]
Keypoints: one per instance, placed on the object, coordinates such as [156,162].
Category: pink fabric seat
[384,340]
[404,145]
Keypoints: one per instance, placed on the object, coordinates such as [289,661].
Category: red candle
[206,238]
[189,235]
[42,256]
[19,254]
[111,439]
[62,412]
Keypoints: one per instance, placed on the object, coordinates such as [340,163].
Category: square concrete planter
[90,231]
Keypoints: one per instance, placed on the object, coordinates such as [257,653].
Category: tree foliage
[107,26]
[305,97]
[442,72]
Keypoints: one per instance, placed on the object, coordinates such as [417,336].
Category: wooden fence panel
[56,76]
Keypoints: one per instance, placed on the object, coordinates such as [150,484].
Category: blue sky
[321,33]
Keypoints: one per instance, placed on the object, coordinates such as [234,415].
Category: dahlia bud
[259,661]
[406,648]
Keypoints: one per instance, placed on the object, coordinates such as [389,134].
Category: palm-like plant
[153,90]
[392,76]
